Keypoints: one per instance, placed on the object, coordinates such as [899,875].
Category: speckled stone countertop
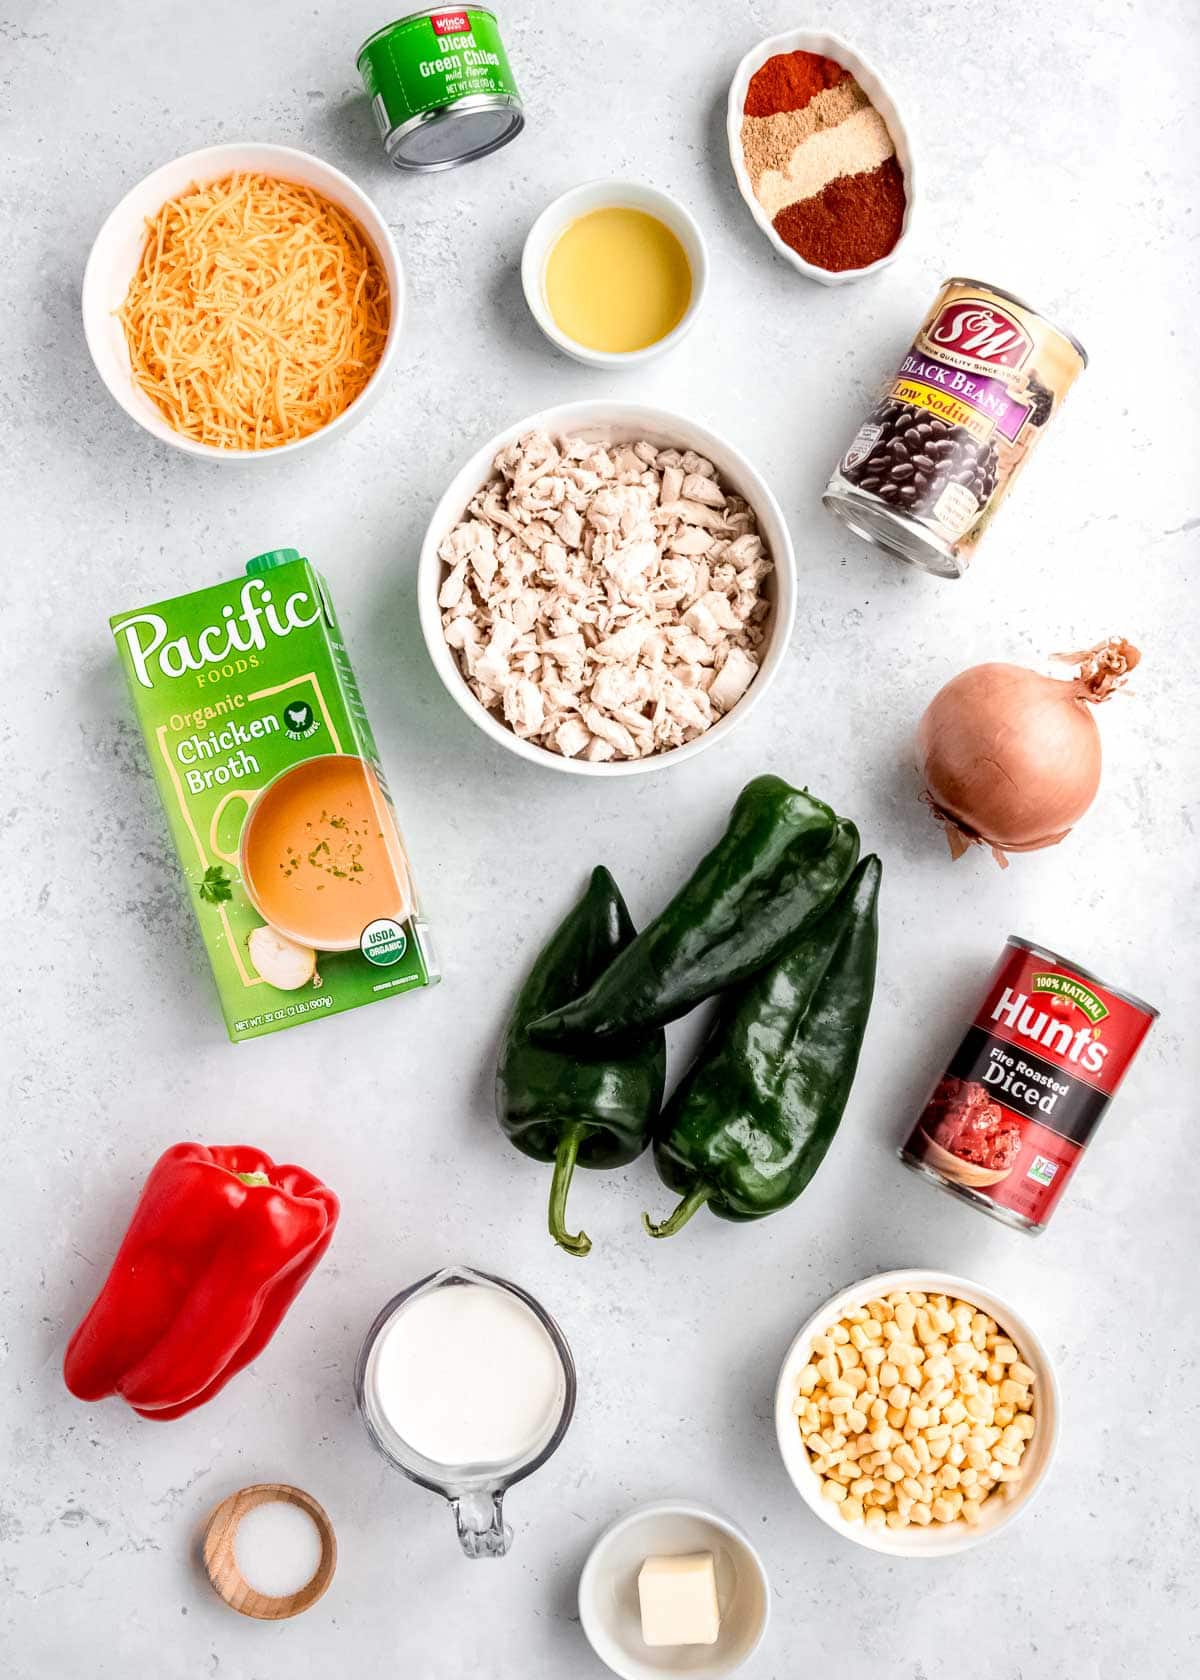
[1056,154]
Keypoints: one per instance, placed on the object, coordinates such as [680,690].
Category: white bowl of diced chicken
[917,1413]
[607,588]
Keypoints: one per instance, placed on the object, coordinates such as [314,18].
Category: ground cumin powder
[771,145]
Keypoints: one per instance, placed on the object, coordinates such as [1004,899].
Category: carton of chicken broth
[276,799]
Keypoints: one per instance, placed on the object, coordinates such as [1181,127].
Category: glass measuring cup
[474,1492]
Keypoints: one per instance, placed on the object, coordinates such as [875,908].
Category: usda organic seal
[441,88]
[383,942]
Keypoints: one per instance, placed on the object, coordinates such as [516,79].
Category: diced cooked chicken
[524,711]
[732,680]
[689,539]
[694,513]
[605,601]
[571,737]
[453,585]
[697,488]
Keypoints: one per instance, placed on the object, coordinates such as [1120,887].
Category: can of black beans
[936,456]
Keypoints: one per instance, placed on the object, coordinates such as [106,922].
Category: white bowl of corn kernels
[917,1413]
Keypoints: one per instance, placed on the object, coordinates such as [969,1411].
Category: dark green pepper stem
[560,1184]
[691,1203]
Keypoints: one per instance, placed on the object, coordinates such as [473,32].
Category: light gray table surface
[1057,158]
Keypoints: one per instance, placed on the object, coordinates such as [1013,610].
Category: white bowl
[620,422]
[610,195]
[876,90]
[609,1611]
[118,248]
[938,1539]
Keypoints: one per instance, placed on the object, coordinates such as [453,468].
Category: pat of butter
[678,1596]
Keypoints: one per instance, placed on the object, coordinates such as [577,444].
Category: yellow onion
[1011,758]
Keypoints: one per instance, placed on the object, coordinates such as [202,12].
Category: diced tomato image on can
[1008,1121]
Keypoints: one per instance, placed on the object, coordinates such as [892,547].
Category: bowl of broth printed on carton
[275,796]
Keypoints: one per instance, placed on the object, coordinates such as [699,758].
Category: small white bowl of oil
[614,272]
[877,91]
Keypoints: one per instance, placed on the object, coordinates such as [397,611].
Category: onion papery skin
[1010,757]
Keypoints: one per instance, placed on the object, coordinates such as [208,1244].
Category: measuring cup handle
[482,1530]
[249,795]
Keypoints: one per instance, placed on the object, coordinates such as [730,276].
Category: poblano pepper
[595,1107]
[783,858]
[750,1121]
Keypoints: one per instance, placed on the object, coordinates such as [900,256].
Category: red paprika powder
[788,81]
[853,221]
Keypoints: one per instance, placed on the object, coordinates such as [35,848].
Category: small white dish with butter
[646,1594]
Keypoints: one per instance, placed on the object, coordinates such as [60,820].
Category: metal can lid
[458,133]
[890,530]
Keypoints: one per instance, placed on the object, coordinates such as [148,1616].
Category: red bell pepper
[219,1245]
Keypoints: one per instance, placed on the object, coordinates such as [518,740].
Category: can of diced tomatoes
[1027,1087]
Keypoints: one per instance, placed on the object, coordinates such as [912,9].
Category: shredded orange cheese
[258,312]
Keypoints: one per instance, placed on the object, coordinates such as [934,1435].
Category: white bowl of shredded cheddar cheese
[243,302]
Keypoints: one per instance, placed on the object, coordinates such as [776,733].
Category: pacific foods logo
[976,329]
[241,630]
[1062,985]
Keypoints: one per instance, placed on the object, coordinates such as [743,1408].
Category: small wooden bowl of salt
[270,1551]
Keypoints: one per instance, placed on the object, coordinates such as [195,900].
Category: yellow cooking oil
[617,279]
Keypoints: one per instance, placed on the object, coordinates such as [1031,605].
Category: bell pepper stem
[676,1221]
[564,1165]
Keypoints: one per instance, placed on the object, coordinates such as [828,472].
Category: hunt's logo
[1047,1028]
[450,23]
[980,330]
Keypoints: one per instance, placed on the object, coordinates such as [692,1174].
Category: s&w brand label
[981,332]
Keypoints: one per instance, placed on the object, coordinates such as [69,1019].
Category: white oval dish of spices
[938,1539]
[876,90]
[571,208]
[609,1611]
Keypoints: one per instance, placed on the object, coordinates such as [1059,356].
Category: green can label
[431,61]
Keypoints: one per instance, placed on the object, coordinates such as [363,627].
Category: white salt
[278,1548]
